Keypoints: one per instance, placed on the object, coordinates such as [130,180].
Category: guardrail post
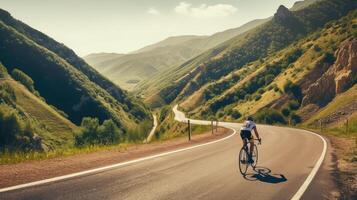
[189,130]
[212,126]
[216,126]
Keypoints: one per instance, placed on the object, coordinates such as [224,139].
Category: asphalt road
[286,159]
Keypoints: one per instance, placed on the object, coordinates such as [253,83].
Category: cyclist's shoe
[250,161]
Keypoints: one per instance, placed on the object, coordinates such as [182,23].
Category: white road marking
[16,187]
[313,172]
[180,116]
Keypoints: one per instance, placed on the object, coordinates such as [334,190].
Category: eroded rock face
[337,79]
[282,13]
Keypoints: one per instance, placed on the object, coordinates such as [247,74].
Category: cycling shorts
[245,134]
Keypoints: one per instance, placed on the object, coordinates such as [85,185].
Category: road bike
[243,157]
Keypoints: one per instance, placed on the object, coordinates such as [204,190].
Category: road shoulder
[336,178]
[14,174]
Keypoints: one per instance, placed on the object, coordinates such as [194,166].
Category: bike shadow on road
[264,174]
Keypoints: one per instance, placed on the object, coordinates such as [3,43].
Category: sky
[122,26]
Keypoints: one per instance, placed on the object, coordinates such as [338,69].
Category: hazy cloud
[153,11]
[204,10]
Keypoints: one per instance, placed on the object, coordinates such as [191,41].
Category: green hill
[285,28]
[69,56]
[65,81]
[314,78]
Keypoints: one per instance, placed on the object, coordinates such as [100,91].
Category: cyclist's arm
[256,132]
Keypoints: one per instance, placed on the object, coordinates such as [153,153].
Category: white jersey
[247,126]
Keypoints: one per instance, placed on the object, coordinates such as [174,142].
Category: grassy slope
[59,129]
[69,56]
[233,54]
[296,72]
[149,88]
[337,103]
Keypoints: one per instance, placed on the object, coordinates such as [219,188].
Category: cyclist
[246,134]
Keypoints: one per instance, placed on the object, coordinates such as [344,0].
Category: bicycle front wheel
[243,161]
[255,156]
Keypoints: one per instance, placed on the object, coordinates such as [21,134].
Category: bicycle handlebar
[260,140]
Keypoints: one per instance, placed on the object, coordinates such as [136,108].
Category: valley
[294,73]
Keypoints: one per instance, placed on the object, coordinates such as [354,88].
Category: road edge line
[314,171]
[109,167]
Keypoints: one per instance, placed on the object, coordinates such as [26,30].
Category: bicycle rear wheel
[255,156]
[243,161]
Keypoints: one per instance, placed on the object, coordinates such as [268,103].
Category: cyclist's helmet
[250,118]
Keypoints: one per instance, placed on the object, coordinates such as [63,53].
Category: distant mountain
[64,80]
[130,70]
[98,58]
[171,41]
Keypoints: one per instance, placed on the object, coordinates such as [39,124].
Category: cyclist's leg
[244,139]
[251,146]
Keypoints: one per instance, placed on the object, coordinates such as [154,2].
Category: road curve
[287,158]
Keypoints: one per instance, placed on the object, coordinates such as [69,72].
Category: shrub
[261,91]
[292,88]
[317,48]
[93,133]
[276,88]
[270,116]
[257,97]
[285,112]
[10,125]
[269,78]
[295,119]
[7,94]
[236,114]
[294,105]
[24,79]
[220,114]
[328,58]
[15,132]
[3,71]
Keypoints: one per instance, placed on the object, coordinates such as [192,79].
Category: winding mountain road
[288,160]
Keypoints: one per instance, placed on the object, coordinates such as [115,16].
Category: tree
[23,79]
[285,112]
[270,116]
[236,114]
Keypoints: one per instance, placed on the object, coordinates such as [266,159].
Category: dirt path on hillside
[14,174]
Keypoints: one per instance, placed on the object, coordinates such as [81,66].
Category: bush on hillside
[293,88]
[285,112]
[236,114]
[7,94]
[93,133]
[328,58]
[294,105]
[15,132]
[295,119]
[3,71]
[257,97]
[270,116]
[23,79]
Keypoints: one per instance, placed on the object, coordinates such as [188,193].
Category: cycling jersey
[248,126]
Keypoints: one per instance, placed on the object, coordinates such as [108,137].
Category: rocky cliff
[337,79]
